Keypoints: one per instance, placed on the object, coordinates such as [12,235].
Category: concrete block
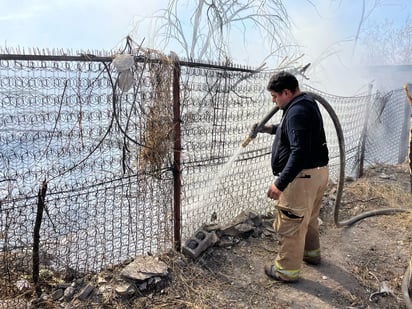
[201,240]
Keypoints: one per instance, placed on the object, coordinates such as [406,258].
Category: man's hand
[273,192]
[255,130]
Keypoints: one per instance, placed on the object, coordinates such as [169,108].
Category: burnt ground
[362,265]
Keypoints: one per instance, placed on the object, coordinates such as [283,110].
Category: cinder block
[202,240]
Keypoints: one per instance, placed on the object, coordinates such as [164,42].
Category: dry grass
[190,286]
[383,187]
[158,135]
[364,191]
[218,281]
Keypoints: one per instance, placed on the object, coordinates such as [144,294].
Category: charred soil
[362,265]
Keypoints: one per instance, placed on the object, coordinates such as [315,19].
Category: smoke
[330,32]
[326,38]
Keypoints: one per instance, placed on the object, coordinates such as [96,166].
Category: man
[299,160]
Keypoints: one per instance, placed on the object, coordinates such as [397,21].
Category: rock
[144,267]
[125,289]
[23,284]
[244,227]
[57,294]
[101,280]
[154,280]
[228,241]
[106,291]
[85,292]
[63,285]
[143,286]
[385,176]
[247,217]
[244,224]
[69,293]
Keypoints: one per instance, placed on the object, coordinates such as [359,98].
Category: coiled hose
[341,180]
[406,283]
[385,211]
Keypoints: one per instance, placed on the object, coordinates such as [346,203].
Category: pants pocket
[288,221]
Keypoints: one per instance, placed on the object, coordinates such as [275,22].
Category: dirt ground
[362,265]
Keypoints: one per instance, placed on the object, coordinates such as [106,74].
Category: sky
[325,29]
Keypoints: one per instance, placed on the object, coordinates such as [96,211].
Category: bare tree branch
[213,21]
[386,43]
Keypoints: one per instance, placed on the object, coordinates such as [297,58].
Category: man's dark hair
[281,81]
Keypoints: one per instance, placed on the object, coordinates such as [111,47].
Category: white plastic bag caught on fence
[126,80]
[123,62]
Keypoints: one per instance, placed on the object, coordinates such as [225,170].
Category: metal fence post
[364,135]
[176,154]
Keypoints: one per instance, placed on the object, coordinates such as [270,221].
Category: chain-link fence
[124,161]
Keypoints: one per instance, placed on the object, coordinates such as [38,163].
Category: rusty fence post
[177,148]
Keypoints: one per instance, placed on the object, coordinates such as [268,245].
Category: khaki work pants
[297,217]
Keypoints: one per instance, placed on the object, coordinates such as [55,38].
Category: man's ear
[288,92]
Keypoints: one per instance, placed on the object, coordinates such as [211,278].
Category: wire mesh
[69,123]
[388,127]
[105,147]
[219,177]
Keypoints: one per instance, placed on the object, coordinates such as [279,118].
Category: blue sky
[92,24]
[70,24]
[318,25]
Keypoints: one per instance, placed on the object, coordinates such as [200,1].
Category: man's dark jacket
[301,142]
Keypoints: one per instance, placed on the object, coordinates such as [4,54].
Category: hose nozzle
[259,126]
[246,141]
